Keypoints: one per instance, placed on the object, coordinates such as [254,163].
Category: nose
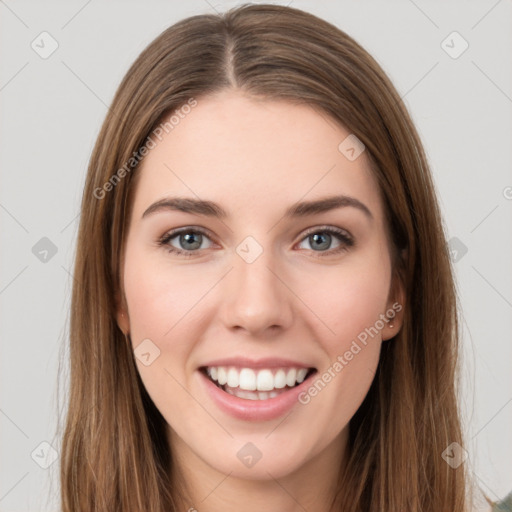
[256,297]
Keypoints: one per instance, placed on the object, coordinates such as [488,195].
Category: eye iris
[191,238]
[324,240]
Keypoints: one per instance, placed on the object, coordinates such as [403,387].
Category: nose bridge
[257,299]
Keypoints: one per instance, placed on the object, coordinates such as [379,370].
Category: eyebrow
[211,209]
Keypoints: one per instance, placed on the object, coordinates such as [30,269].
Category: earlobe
[122,316]
[395,311]
[123,323]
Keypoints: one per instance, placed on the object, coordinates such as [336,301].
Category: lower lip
[254,410]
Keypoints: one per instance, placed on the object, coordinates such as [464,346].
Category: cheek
[351,301]
[161,308]
[161,299]
[350,306]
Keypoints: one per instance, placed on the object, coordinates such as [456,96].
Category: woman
[264,314]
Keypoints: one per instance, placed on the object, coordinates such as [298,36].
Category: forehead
[253,154]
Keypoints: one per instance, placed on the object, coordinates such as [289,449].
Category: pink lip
[253,410]
[243,362]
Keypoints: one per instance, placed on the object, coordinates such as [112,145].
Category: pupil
[324,240]
[189,238]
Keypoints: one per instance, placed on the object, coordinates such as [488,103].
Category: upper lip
[267,362]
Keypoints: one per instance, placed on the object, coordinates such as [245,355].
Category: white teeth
[261,381]
[280,379]
[247,379]
[301,375]
[232,378]
[264,381]
[222,376]
[291,377]
[247,395]
[253,395]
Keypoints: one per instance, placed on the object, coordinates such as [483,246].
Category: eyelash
[346,240]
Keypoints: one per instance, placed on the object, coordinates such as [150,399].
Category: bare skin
[302,298]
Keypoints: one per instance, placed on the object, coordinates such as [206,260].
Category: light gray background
[51,114]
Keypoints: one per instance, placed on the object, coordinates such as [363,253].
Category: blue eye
[321,240]
[189,241]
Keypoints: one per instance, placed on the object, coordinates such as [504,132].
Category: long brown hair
[115,456]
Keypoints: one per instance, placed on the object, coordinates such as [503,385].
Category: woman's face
[250,277]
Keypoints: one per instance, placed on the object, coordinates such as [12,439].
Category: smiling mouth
[260,384]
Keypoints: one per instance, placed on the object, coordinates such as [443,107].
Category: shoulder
[481,502]
[503,506]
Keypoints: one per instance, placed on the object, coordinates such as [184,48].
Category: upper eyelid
[186,229]
[330,229]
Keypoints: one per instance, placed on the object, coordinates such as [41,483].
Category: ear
[395,309]
[123,321]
